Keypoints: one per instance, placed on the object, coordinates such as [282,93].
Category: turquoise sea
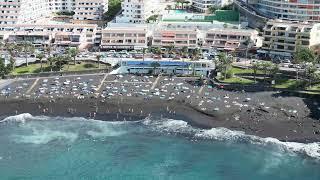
[43,148]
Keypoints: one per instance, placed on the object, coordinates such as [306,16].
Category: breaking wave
[224,134]
[100,129]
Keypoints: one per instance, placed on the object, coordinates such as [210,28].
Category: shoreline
[257,122]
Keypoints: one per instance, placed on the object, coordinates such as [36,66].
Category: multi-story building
[27,11]
[21,11]
[282,38]
[137,11]
[178,38]
[38,39]
[229,39]
[204,5]
[61,5]
[90,9]
[301,10]
[124,38]
[79,35]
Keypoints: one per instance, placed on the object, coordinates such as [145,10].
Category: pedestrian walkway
[155,82]
[32,86]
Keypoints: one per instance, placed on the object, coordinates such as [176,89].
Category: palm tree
[302,56]
[224,62]
[58,61]
[170,49]
[73,52]
[66,58]
[50,61]
[274,69]
[155,65]
[27,48]
[195,54]
[157,51]
[40,56]
[98,57]
[13,50]
[266,67]
[184,51]
[255,67]
[311,73]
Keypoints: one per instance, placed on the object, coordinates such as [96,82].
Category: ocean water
[43,148]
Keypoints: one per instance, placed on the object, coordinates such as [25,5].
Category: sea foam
[107,129]
[224,134]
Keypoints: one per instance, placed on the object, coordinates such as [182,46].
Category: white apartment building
[204,5]
[124,38]
[177,38]
[230,39]
[21,11]
[137,11]
[38,39]
[90,9]
[281,38]
[61,5]
[28,11]
[302,10]
[77,35]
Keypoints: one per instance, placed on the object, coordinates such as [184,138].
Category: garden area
[36,68]
[269,74]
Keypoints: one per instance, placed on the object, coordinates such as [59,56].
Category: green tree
[114,6]
[152,18]
[98,57]
[255,67]
[4,70]
[157,51]
[213,8]
[302,56]
[58,61]
[170,49]
[224,63]
[13,50]
[27,48]
[73,52]
[311,74]
[184,51]
[51,61]
[66,58]
[195,54]
[265,67]
[274,70]
[155,65]
[40,56]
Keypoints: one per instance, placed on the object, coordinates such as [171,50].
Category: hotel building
[177,38]
[297,10]
[90,9]
[230,39]
[282,38]
[21,11]
[29,11]
[124,38]
[60,35]
[204,5]
[137,11]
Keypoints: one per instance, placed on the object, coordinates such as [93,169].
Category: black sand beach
[284,116]
[259,122]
